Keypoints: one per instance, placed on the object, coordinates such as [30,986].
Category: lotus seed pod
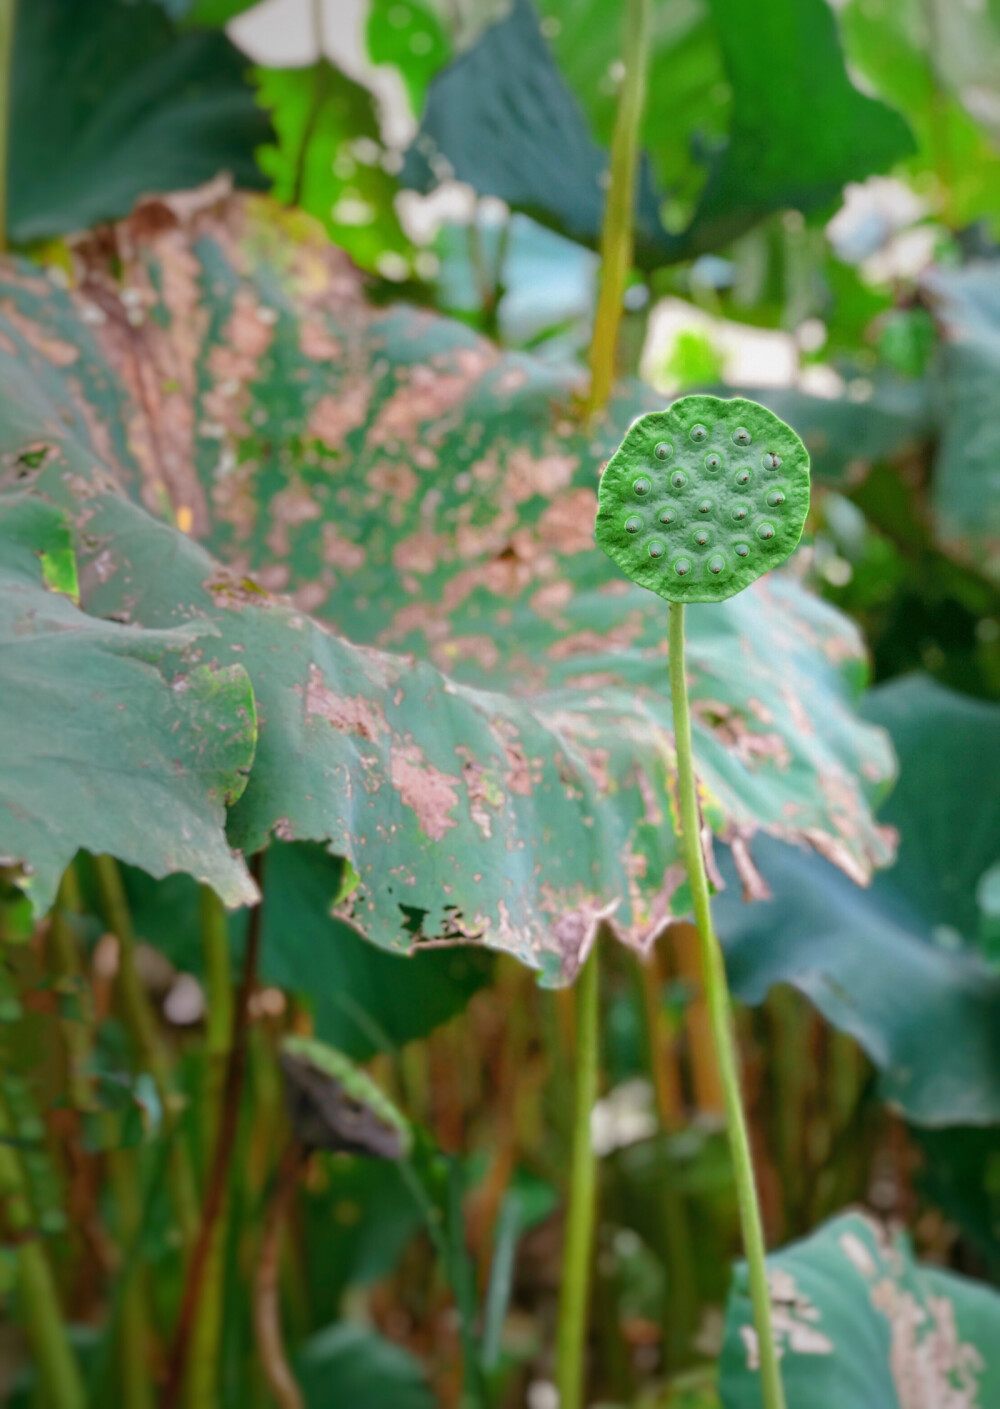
[700,500]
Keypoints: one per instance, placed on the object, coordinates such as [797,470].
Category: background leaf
[863,1326]
[110,103]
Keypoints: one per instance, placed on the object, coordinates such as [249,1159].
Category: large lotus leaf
[861,1325]
[423,494]
[892,963]
[966,493]
[111,737]
[502,118]
[799,128]
[110,103]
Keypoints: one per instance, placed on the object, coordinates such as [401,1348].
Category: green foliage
[328,158]
[701,500]
[410,36]
[356,1364]
[110,102]
[783,60]
[864,1326]
[152,743]
[895,962]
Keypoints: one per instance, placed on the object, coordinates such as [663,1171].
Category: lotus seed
[708,510]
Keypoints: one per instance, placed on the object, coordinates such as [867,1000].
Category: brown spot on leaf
[349,714]
[430,793]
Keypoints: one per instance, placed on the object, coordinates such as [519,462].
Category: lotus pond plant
[698,502]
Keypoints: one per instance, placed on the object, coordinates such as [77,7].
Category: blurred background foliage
[817,225]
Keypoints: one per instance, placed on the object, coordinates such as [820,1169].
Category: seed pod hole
[663,450]
[678,479]
[701,537]
[699,434]
[705,506]
[740,512]
[657,548]
[742,476]
[633,524]
[713,462]
[765,530]
[642,486]
[742,436]
[775,498]
[770,461]
[716,563]
[682,567]
[666,516]
[742,550]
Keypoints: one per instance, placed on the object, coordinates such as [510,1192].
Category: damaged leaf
[334,1105]
[859,1324]
[112,737]
[456,694]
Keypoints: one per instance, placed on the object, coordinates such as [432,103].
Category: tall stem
[203,1366]
[579,1238]
[617,230]
[721,1018]
[58,1372]
[141,1022]
[222,1158]
[8,9]
[266,1304]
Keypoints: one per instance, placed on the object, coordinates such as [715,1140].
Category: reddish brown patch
[53,349]
[568,523]
[341,552]
[348,714]
[430,793]
[337,414]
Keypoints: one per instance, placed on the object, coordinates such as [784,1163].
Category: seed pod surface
[700,500]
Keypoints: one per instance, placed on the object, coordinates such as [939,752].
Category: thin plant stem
[571,1337]
[222,1158]
[141,1022]
[8,11]
[132,1330]
[619,212]
[721,1016]
[203,1361]
[266,1301]
[58,1372]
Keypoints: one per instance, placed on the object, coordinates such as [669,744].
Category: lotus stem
[721,1018]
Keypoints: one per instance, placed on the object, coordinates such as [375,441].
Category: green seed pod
[700,500]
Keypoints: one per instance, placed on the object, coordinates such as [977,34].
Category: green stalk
[203,1362]
[58,1372]
[721,1018]
[132,1332]
[617,229]
[7,12]
[141,1022]
[580,1216]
